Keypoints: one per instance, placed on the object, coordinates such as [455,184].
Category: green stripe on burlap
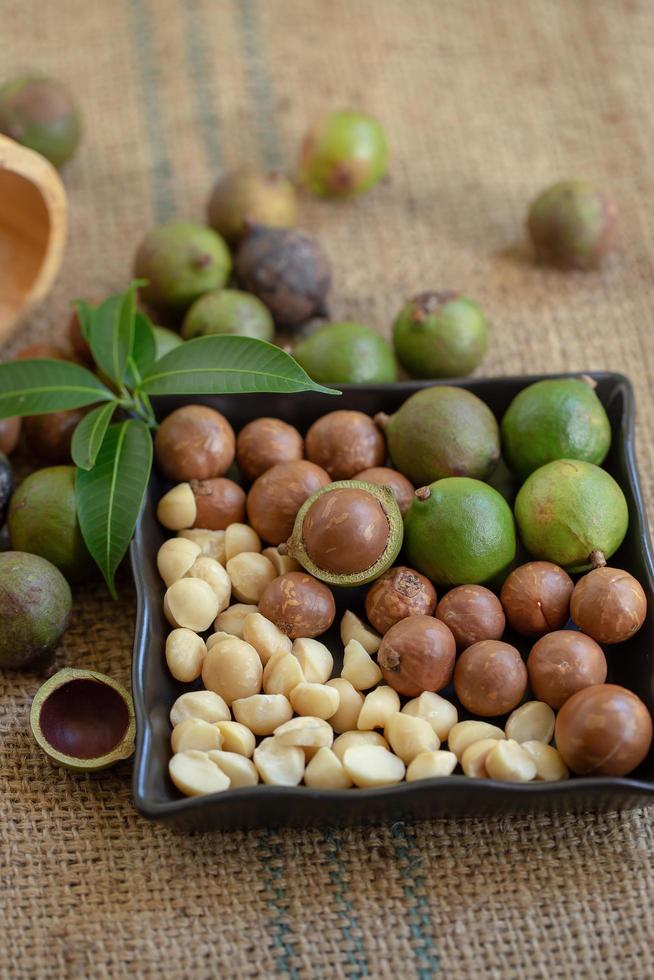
[272,865]
[409,862]
[198,33]
[339,877]
[260,84]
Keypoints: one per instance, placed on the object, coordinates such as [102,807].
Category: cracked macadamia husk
[345,531]
[536,598]
[298,605]
[277,495]
[344,443]
[398,593]
[288,270]
[609,604]
[384,476]
[416,655]
[194,443]
[490,678]
[604,730]
[265,442]
[562,663]
[219,502]
[473,613]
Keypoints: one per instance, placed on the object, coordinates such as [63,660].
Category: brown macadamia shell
[219,501]
[277,495]
[194,443]
[490,678]
[472,613]
[49,437]
[603,730]
[536,598]
[562,663]
[345,531]
[265,442]
[298,605]
[344,443]
[609,604]
[384,476]
[398,593]
[416,655]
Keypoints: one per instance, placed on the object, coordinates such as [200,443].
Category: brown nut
[384,476]
[562,663]
[49,436]
[345,530]
[490,678]
[219,503]
[264,443]
[194,443]
[416,655]
[277,495]
[344,443]
[536,598]
[9,434]
[299,605]
[609,604]
[604,730]
[472,613]
[398,593]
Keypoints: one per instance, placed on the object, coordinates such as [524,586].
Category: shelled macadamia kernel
[194,774]
[377,708]
[359,668]
[315,659]
[236,737]
[232,620]
[194,733]
[263,713]
[239,770]
[279,765]
[353,628]
[177,509]
[319,700]
[239,538]
[185,653]
[349,739]
[326,771]
[250,573]
[210,543]
[350,704]
[431,765]
[265,637]
[372,765]
[175,557]
[199,704]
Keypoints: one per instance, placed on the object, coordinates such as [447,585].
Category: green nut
[244,198]
[344,154]
[39,113]
[228,311]
[573,224]
[346,353]
[440,335]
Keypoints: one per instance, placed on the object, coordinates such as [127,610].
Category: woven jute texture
[484,104]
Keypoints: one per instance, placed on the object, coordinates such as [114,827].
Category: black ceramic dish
[154,690]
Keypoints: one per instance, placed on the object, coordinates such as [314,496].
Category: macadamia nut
[199,704]
[509,762]
[353,628]
[185,652]
[431,765]
[409,735]
[194,733]
[263,713]
[190,603]
[265,637]
[282,563]
[349,705]
[359,668]
[473,760]
[281,674]
[175,557]
[239,538]
[177,509]
[250,574]
[279,765]
[213,573]
[239,770]
[313,733]
[533,721]
[194,774]
[377,708]
[315,660]
[232,669]
[211,543]
[236,737]
[215,638]
[550,767]
[349,739]
[372,765]
[326,771]
[440,713]
[464,733]
[232,620]
[314,699]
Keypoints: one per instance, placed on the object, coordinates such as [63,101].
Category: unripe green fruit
[35,605]
[440,335]
[228,311]
[180,261]
[346,353]
[165,340]
[345,153]
[573,224]
[39,113]
[245,198]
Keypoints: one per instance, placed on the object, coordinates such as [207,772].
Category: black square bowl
[154,690]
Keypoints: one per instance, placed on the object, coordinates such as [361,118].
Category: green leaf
[111,333]
[88,436]
[223,364]
[85,316]
[37,386]
[109,496]
[144,350]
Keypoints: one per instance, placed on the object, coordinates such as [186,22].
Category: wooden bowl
[33,225]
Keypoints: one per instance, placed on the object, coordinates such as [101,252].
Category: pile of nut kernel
[272,711]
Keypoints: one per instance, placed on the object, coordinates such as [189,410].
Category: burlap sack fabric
[484,103]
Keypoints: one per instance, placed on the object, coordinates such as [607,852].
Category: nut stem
[597,559]
[381,420]
[423,493]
